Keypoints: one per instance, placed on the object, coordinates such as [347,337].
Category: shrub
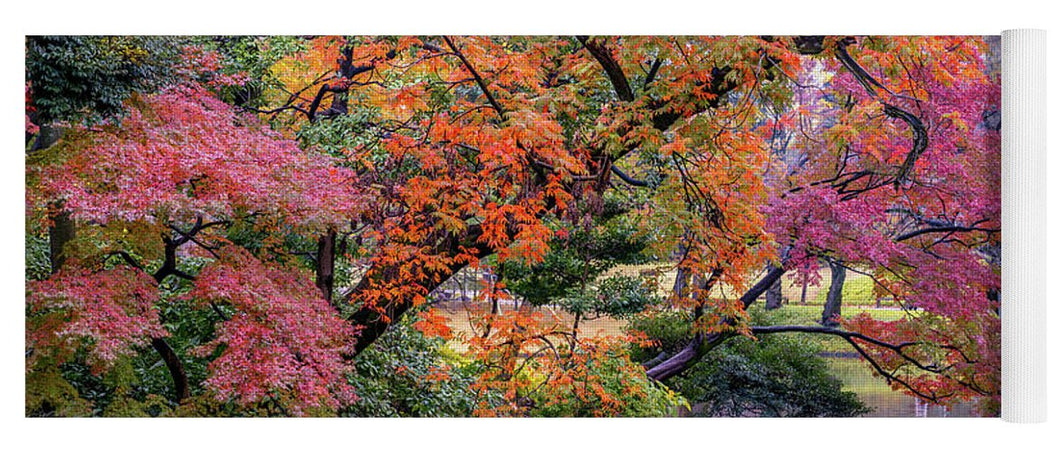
[407,374]
[775,376]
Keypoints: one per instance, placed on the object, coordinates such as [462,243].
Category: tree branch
[478,79]
[374,321]
[942,229]
[127,258]
[614,72]
[850,337]
[175,366]
[920,136]
[653,71]
[628,179]
[699,344]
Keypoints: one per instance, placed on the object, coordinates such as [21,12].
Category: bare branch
[478,79]
[920,137]
[850,337]
[628,179]
[128,258]
[943,229]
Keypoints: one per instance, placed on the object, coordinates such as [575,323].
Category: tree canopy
[259,213]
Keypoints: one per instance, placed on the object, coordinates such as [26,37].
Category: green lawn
[809,314]
[857,288]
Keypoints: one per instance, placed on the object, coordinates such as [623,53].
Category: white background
[486,17]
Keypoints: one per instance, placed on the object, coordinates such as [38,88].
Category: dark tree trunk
[802,298]
[833,305]
[326,264]
[62,229]
[60,233]
[374,321]
[176,368]
[773,294]
[701,344]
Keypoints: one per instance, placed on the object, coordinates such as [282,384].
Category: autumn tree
[387,165]
[182,169]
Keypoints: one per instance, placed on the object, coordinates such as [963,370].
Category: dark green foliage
[73,389]
[87,78]
[38,263]
[401,375]
[669,330]
[569,271]
[617,296]
[775,376]
[339,134]
[48,394]
[252,56]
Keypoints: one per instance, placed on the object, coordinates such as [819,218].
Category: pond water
[876,394]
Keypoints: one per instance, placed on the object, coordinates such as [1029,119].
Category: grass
[809,314]
[857,288]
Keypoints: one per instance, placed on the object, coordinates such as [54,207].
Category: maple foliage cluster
[291,339]
[917,200]
[184,154]
[385,166]
[114,308]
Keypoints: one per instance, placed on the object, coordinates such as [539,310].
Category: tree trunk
[701,344]
[62,229]
[374,321]
[60,233]
[176,368]
[833,305]
[326,264]
[773,294]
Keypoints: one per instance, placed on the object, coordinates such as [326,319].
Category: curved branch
[688,355]
[653,71]
[700,343]
[614,72]
[679,362]
[831,331]
[920,136]
[126,257]
[809,44]
[763,285]
[943,229]
[920,140]
[312,112]
[628,179]
[898,349]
